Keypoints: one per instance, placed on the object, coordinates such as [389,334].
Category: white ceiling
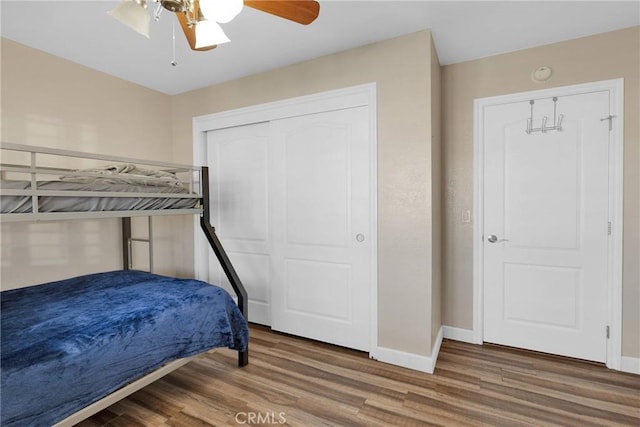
[82,32]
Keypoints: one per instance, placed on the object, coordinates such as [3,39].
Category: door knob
[360,237]
[493,238]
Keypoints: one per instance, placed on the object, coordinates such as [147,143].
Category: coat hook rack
[557,120]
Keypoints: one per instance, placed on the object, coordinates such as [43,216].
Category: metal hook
[557,120]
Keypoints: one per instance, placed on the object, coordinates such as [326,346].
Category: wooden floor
[305,383]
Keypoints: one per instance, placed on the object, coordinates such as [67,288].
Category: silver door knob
[360,237]
[493,238]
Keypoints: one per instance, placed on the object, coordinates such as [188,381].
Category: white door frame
[355,96]
[614,273]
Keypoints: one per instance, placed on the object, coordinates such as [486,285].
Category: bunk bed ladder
[127,239]
[225,262]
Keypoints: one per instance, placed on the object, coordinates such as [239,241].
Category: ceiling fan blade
[301,11]
[190,33]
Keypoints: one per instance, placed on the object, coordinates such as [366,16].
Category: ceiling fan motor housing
[175,5]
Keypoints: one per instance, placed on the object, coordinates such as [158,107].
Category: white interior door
[546,203]
[239,168]
[322,227]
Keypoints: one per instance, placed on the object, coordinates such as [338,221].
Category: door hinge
[609,228]
[610,118]
[608,332]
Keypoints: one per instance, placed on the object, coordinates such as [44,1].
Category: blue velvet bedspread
[67,344]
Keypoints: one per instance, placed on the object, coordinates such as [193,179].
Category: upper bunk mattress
[22,204]
[67,344]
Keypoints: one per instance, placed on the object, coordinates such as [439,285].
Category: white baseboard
[630,365]
[458,334]
[436,348]
[409,360]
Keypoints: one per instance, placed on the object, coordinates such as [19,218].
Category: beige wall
[51,102]
[401,69]
[436,195]
[600,57]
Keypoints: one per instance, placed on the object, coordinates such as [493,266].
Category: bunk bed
[71,348]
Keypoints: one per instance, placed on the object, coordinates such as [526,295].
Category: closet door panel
[317,190]
[320,201]
[239,168]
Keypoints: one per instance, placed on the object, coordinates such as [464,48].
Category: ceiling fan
[200,19]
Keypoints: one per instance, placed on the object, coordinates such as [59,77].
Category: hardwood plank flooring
[299,382]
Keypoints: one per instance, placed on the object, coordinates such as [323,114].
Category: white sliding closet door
[292,206]
[322,226]
[238,160]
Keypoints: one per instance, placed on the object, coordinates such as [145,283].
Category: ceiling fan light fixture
[209,33]
[133,14]
[221,11]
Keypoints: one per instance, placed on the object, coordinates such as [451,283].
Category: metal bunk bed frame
[204,211]
[218,250]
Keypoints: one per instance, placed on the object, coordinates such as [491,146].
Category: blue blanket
[70,343]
